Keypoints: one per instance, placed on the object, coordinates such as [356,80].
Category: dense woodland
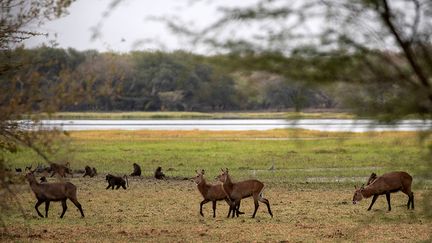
[153,81]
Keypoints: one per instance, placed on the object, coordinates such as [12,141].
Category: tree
[360,43]
[31,85]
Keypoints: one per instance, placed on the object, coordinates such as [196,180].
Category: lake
[334,125]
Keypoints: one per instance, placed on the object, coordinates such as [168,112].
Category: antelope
[243,189]
[210,192]
[386,184]
[47,192]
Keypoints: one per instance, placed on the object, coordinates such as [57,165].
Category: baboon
[159,174]
[116,181]
[62,170]
[89,171]
[43,179]
[136,171]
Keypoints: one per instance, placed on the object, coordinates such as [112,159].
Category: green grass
[310,189]
[197,115]
[296,155]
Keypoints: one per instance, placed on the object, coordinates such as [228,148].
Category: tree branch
[386,16]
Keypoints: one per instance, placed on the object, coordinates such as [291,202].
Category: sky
[128,26]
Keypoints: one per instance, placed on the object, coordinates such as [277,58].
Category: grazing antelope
[243,189]
[210,192]
[386,184]
[47,192]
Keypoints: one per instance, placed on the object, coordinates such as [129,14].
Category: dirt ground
[168,211]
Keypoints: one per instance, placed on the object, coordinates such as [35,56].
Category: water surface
[334,125]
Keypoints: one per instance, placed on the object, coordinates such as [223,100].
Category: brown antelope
[386,184]
[243,189]
[210,192]
[47,192]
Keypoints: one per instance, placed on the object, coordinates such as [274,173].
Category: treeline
[157,81]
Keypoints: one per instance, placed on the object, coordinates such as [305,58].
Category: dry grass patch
[167,211]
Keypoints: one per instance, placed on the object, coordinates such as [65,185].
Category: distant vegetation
[197,115]
[157,81]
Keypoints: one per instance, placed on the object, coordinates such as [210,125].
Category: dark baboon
[62,170]
[137,170]
[116,181]
[159,174]
[89,171]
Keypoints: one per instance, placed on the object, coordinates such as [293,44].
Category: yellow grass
[167,211]
[277,133]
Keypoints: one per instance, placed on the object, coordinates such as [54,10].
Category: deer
[209,192]
[47,192]
[386,184]
[243,189]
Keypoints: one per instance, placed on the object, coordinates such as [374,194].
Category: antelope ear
[355,187]
[202,172]
[362,187]
[226,169]
[196,171]
[222,170]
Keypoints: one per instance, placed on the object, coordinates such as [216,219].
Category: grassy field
[310,188]
[197,115]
